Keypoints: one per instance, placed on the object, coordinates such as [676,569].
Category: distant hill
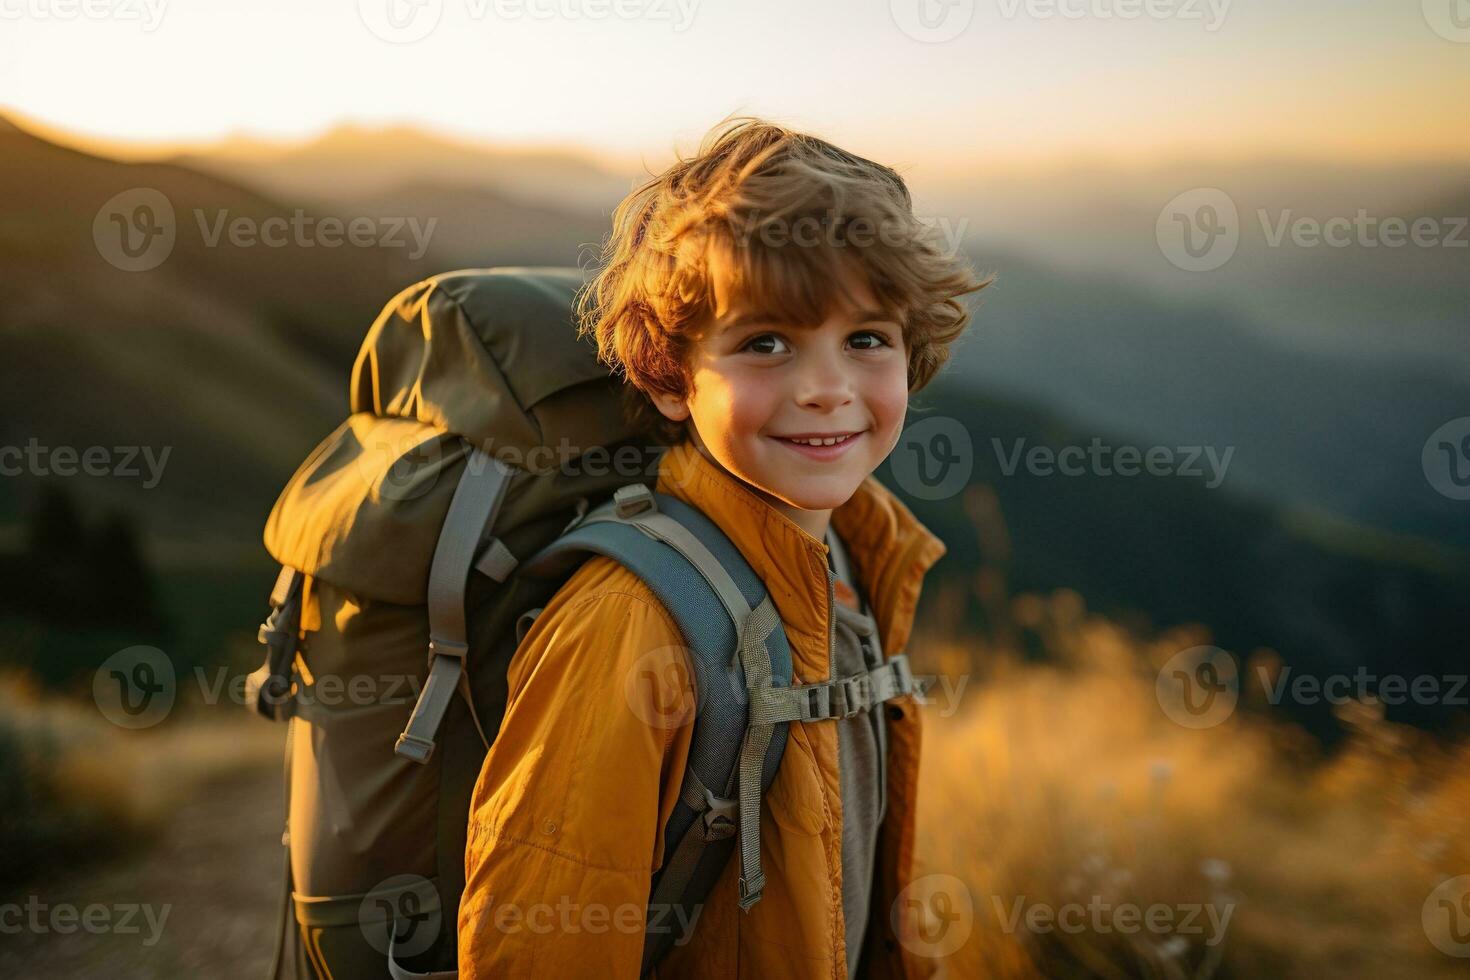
[233,359]
[475,226]
[1310,429]
[1378,304]
[1328,595]
[351,163]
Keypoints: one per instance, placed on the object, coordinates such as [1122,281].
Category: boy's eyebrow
[863,316]
[745,319]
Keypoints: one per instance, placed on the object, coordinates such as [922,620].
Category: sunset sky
[1019,82]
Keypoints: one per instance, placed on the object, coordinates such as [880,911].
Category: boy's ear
[675,408]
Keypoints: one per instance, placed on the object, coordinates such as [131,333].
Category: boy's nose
[823,383]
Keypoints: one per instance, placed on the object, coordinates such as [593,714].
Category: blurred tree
[71,577]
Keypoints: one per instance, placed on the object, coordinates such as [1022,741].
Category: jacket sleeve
[566,821]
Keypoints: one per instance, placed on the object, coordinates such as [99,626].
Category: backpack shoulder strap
[721,608]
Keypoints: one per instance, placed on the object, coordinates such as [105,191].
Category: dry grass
[75,786]
[1054,784]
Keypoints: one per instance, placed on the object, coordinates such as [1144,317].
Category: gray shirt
[861,757]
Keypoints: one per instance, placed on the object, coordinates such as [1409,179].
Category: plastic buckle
[632,500]
[447,648]
[414,748]
[750,891]
[720,819]
[819,703]
[856,694]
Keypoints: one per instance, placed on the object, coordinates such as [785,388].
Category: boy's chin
[815,493]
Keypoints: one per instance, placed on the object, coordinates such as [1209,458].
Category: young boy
[769,294]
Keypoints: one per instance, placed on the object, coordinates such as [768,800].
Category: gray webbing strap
[717,822]
[640,510]
[840,698]
[755,660]
[476,501]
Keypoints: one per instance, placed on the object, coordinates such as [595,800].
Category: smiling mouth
[819,442]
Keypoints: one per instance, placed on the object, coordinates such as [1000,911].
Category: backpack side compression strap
[476,502]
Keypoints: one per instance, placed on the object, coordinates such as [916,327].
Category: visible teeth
[832,441]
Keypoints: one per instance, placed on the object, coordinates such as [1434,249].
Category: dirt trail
[211,880]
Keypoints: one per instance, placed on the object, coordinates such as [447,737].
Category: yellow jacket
[567,815]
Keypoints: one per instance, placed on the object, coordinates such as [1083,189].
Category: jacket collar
[890,551]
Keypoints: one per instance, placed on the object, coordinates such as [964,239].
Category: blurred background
[1199,641]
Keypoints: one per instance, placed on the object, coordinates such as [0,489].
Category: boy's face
[757,382]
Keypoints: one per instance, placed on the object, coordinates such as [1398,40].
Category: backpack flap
[374,488]
[493,355]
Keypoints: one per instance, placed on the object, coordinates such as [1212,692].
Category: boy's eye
[882,341]
[764,338]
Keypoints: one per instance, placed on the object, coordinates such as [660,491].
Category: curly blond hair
[746,203]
